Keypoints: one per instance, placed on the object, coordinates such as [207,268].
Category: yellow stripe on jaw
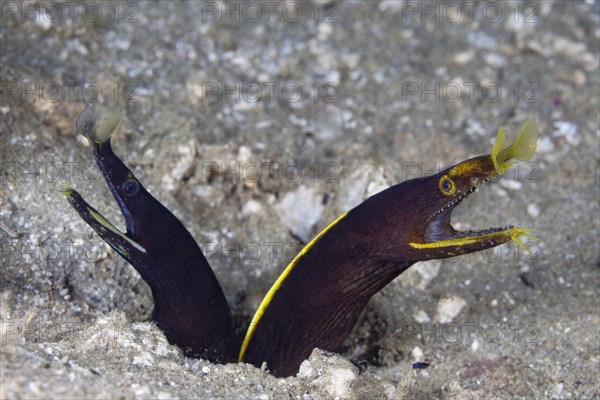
[104,222]
[68,192]
[513,233]
[271,293]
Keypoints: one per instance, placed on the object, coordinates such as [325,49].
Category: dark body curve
[189,304]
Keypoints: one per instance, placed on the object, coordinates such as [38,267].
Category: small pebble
[511,184]
[463,57]
[568,130]
[421,317]
[448,308]
[417,354]
[533,210]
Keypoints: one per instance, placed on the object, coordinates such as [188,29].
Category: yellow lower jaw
[512,233]
[515,233]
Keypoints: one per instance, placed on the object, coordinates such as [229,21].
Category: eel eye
[130,188]
[447,186]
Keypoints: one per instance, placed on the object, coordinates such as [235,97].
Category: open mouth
[98,135]
[439,233]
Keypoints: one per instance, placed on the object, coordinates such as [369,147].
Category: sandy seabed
[257,126]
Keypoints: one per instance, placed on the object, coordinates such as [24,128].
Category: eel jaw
[118,240]
[113,170]
[440,234]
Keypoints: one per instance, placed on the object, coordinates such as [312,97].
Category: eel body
[320,296]
[322,292]
[189,304]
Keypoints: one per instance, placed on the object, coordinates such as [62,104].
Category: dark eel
[189,304]
[320,295]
